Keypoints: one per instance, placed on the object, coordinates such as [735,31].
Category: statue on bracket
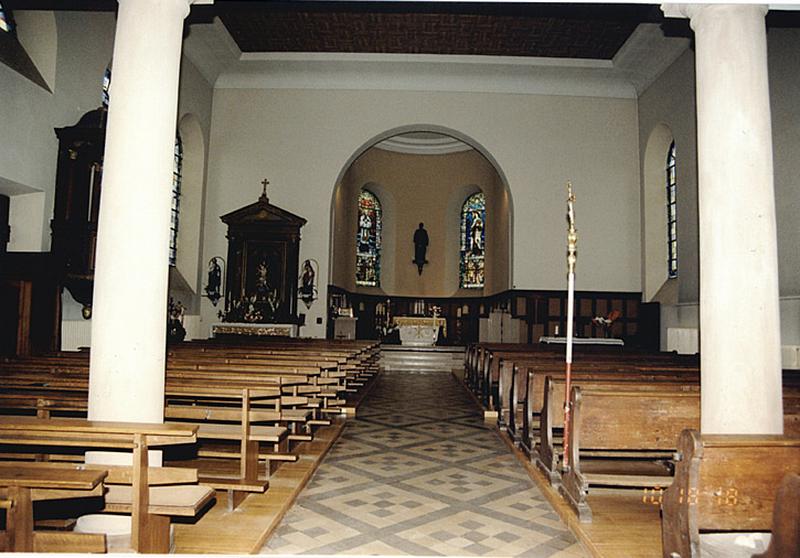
[307,291]
[420,247]
[214,283]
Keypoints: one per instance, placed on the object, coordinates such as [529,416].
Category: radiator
[683,340]
[790,357]
[75,334]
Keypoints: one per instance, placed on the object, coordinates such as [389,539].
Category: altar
[420,331]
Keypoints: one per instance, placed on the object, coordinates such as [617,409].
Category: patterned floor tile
[460,484]
[381,505]
[452,451]
[421,475]
[387,465]
[397,438]
[473,534]
[303,529]
[333,479]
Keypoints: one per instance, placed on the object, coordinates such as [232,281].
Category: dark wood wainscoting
[543,312]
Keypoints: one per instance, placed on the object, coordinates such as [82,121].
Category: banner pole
[572,241]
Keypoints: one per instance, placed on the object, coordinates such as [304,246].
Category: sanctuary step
[398,357]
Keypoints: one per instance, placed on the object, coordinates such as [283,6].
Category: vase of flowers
[604,323]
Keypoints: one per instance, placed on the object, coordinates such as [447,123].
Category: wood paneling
[543,312]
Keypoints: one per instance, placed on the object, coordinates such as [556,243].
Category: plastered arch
[453,204]
[655,210]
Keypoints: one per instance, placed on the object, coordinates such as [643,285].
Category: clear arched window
[6,24]
[672,214]
[176,200]
[368,240]
[473,242]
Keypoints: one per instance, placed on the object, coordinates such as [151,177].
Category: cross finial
[264,183]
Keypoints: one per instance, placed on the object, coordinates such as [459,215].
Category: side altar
[420,331]
[263,269]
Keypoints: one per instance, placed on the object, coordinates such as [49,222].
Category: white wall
[28,144]
[669,101]
[302,139]
[669,104]
[73,50]
[784,84]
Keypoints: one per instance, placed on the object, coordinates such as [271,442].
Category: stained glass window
[368,240]
[106,85]
[176,201]
[473,242]
[672,214]
[5,21]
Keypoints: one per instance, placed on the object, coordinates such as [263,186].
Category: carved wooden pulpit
[263,255]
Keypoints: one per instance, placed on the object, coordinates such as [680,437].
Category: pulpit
[263,255]
[420,331]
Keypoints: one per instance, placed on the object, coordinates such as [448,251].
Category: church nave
[420,473]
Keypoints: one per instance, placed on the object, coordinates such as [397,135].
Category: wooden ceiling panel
[427,33]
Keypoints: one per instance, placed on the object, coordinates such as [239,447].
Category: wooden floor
[624,525]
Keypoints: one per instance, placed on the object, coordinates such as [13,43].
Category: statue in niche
[262,280]
[420,247]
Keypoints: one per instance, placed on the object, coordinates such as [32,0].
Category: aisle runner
[418,473]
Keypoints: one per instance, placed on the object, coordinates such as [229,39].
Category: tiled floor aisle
[418,473]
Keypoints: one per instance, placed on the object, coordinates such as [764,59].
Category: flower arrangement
[605,322]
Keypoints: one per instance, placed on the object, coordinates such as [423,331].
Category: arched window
[106,85]
[176,200]
[368,240]
[672,215]
[5,20]
[473,242]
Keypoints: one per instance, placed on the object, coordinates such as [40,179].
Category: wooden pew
[785,519]
[724,483]
[626,423]
[534,399]
[548,453]
[150,506]
[22,484]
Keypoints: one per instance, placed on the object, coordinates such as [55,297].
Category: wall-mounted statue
[420,247]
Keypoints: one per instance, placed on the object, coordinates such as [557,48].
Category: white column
[126,380]
[739,313]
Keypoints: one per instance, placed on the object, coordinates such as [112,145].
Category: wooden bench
[22,484]
[785,519]
[534,399]
[548,452]
[725,483]
[631,424]
[150,506]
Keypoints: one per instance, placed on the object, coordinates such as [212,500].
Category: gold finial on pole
[572,234]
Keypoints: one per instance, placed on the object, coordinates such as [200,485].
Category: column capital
[158,5]
[695,12]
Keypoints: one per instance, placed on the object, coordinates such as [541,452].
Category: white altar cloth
[582,340]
